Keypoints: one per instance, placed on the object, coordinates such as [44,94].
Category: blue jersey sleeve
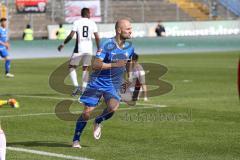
[102,53]
[3,35]
[104,48]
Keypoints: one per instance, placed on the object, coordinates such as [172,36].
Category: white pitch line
[59,98]
[74,99]
[32,114]
[51,113]
[153,105]
[186,81]
[46,97]
[49,154]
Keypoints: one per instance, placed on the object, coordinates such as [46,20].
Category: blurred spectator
[160,30]
[214,10]
[28,33]
[61,33]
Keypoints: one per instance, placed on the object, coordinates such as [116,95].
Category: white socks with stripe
[73,76]
[84,79]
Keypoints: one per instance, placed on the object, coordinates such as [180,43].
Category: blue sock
[104,116]
[80,125]
[7,66]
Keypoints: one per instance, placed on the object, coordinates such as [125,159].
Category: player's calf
[106,114]
[80,125]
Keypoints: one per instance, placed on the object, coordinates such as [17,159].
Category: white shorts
[2,145]
[85,58]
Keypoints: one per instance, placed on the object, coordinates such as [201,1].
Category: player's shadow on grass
[41,144]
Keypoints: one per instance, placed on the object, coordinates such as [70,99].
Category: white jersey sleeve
[95,27]
[74,27]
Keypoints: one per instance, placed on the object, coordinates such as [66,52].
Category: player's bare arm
[6,44]
[97,40]
[127,78]
[69,37]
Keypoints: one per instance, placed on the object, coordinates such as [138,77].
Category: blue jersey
[111,53]
[3,37]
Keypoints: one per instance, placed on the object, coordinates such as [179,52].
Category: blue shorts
[3,53]
[92,95]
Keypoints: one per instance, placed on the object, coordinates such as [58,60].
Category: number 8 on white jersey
[84,28]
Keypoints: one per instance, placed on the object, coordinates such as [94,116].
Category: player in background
[2,144]
[136,82]
[83,51]
[137,78]
[28,33]
[105,81]
[4,47]
[61,33]
[12,102]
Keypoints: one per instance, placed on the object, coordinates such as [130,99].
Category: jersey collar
[114,40]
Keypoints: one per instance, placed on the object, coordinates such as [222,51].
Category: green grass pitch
[201,120]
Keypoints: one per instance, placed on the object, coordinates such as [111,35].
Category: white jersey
[2,145]
[84,28]
[137,74]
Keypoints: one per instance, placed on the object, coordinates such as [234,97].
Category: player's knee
[113,108]
[85,68]
[86,115]
[72,66]
[6,58]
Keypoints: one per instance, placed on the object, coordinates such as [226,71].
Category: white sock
[84,79]
[73,75]
[2,145]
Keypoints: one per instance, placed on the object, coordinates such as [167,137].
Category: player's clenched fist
[60,47]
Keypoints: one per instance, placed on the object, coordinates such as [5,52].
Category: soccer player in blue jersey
[105,81]
[4,46]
